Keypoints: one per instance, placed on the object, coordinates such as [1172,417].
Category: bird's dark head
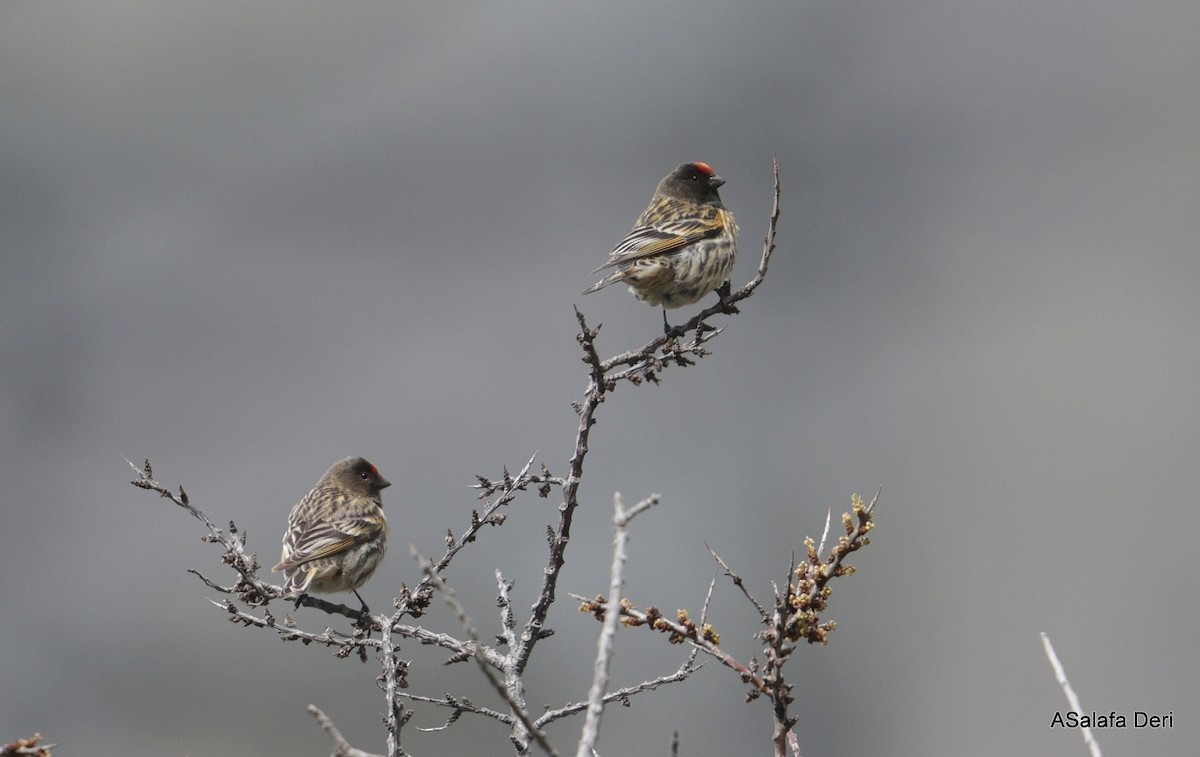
[358,475]
[696,182]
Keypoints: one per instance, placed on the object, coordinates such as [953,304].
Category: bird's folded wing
[329,538]
[666,237]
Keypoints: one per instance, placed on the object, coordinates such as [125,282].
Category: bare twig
[458,705]
[288,630]
[738,582]
[341,747]
[686,668]
[1060,675]
[621,519]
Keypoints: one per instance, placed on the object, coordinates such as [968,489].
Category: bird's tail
[611,278]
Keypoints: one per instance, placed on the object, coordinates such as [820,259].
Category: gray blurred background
[245,240]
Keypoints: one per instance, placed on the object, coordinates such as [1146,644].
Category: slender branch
[740,584]
[288,630]
[621,695]
[768,243]
[621,519]
[1060,675]
[341,747]
[459,705]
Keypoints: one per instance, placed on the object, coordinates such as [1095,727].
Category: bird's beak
[384,483]
[715,181]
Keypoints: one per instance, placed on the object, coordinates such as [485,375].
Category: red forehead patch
[706,168]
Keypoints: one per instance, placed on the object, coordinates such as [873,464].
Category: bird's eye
[364,475]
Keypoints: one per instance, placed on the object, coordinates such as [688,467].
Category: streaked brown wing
[664,238]
[326,539]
